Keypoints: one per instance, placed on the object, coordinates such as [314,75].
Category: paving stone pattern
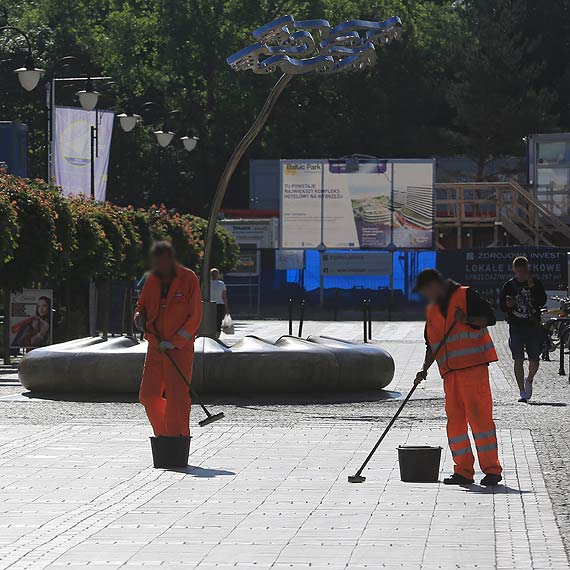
[84,496]
[268,485]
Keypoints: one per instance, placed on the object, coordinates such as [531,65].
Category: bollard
[336,295]
[290,317]
[364,320]
[369,319]
[563,340]
[301,318]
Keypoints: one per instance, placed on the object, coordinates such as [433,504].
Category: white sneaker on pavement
[528,388]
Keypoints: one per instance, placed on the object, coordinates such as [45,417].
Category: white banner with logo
[72,150]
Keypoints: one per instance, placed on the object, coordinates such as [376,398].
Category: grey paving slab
[259,497]
[268,488]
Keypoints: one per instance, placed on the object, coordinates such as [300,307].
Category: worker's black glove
[420,377]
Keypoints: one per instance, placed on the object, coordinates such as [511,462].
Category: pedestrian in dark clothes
[521,299]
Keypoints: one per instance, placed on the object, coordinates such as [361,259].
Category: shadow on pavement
[202,472]
[552,404]
[247,401]
[250,401]
[94,398]
[499,489]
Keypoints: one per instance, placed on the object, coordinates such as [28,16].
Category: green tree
[497,99]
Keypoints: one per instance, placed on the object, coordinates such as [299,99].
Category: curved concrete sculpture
[291,364]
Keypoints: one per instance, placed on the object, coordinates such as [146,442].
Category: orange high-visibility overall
[463,363]
[175,318]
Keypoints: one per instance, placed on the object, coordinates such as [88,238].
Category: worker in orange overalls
[170,309]
[463,363]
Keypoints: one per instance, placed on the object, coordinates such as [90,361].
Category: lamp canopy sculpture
[291,47]
[296,47]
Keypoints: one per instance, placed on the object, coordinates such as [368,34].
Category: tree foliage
[468,78]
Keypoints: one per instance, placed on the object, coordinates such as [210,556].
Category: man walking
[521,299]
[463,363]
[170,310]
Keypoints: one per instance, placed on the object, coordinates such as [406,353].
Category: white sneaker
[528,388]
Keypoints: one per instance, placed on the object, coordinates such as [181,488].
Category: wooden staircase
[484,208]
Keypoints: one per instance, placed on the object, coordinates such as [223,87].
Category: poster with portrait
[31,318]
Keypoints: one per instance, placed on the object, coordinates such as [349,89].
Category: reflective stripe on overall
[466,346]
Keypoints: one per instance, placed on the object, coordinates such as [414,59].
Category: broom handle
[406,399]
[193,394]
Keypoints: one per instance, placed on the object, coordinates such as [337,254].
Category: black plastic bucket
[419,463]
[170,452]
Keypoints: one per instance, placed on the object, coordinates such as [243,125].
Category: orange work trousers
[468,400]
[164,394]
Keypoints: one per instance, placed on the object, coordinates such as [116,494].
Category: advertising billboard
[31,318]
[357,204]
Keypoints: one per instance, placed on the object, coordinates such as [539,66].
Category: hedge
[46,238]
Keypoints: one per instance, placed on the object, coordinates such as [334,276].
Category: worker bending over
[170,310]
[463,363]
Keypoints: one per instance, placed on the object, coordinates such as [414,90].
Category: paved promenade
[267,487]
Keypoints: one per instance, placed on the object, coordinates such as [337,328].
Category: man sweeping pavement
[170,310]
[464,365]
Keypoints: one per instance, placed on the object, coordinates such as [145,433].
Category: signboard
[72,150]
[289,259]
[487,269]
[31,318]
[263,232]
[357,263]
[357,204]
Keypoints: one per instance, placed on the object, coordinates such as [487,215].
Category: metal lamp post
[291,47]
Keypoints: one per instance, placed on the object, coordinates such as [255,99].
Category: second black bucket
[419,463]
[170,452]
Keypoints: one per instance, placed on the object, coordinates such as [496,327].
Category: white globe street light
[28,78]
[128,121]
[189,143]
[163,137]
[88,97]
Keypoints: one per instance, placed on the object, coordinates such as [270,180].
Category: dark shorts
[220,314]
[527,338]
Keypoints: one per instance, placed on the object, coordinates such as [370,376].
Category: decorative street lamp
[129,120]
[289,46]
[189,143]
[88,96]
[29,75]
